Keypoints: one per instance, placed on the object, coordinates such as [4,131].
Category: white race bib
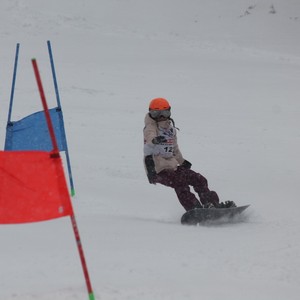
[166,149]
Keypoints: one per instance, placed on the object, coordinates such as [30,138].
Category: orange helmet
[159,104]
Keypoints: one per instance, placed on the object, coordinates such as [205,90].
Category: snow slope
[231,70]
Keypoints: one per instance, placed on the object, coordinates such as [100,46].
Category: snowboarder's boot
[210,197]
[208,205]
[226,204]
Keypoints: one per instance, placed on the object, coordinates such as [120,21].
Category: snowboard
[202,215]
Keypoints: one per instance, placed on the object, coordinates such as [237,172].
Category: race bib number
[166,149]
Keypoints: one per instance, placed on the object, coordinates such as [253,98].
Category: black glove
[159,140]
[186,164]
[151,178]
[151,173]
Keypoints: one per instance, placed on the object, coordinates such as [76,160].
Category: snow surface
[231,70]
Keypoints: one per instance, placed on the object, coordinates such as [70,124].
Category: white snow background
[231,70]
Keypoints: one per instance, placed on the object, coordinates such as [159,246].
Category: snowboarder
[165,164]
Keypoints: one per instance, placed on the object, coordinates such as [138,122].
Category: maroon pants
[181,180]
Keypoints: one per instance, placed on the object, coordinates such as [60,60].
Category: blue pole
[63,127]
[13,84]
[53,74]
